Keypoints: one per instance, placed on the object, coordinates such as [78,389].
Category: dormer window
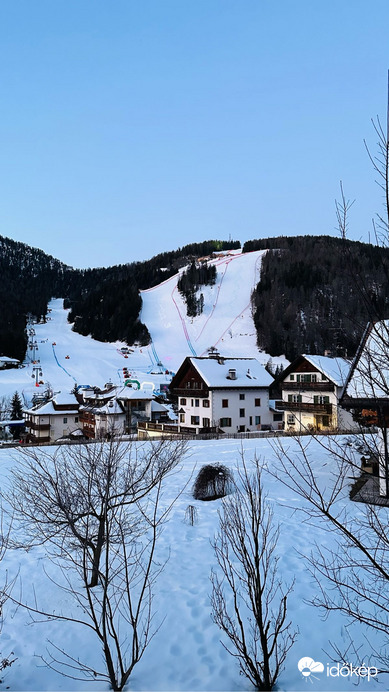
[232,374]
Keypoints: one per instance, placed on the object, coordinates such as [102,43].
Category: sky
[132,127]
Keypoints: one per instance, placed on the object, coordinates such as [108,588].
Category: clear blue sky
[130,127]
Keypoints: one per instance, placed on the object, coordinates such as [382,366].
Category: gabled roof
[7,359]
[48,408]
[369,375]
[216,372]
[138,394]
[334,369]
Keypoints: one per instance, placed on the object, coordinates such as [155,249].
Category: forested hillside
[198,274]
[104,302]
[29,278]
[317,293]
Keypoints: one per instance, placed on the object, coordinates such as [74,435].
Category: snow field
[186,653]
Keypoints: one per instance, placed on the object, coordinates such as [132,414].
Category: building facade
[228,394]
[49,421]
[311,388]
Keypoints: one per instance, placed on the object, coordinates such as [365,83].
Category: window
[242,413]
[195,420]
[257,420]
[183,402]
[76,419]
[306,378]
[290,419]
[321,399]
[206,422]
[323,377]
[224,403]
[277,417]
[241,397]
[291,377]
[225,422]
[251,420]
[257,402]
[206,403]
[295,398]
[197,402]
[182,417]
[65,420]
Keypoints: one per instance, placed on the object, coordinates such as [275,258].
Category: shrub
[213,481]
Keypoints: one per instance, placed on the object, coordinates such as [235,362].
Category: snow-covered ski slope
[226,321]
[66,358]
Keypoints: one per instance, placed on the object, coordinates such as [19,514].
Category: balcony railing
[191,393]
[37,426]
[304,406]
[308,386]
[38,438]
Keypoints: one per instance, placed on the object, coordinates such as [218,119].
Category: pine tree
[16,414]
[16,407]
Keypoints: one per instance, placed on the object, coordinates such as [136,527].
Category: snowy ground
[186,654]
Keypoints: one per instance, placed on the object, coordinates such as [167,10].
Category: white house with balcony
[230,394]
[311,388]
[49,421]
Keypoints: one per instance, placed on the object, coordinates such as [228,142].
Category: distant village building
[311,388]
[116,410]
[6,362]
[227,394]
[53,419]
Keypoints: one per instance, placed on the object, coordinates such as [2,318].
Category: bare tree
[8,660]
[249,602]
[66,498]
[100,512]
[352,575]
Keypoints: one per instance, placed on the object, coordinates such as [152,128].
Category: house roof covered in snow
[59,405]
[130,393]
[8,360]
[219,372]
[335,369]
[369,374]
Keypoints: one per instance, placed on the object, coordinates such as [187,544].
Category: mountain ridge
[314,294]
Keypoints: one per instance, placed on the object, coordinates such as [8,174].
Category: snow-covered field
[186,654]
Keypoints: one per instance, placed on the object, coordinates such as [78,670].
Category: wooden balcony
[308,386]
[38,438]
[326,409]
[39,427]
[191,393]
